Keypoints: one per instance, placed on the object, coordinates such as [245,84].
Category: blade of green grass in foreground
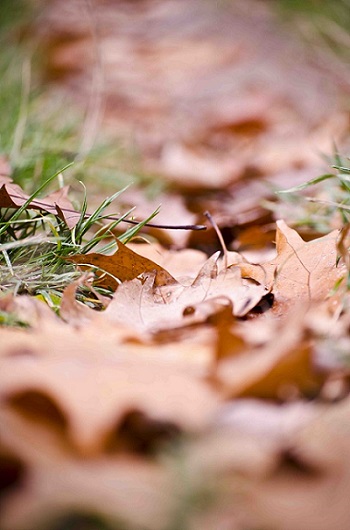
[16,215]
[34,245]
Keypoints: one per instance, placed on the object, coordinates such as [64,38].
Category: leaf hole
[12,472]
[38,407]
[140,434]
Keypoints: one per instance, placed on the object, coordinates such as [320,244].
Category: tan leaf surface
[301,270]
[282,368]
[91,382]
[58,484]
[179,263]
[307,489]
[149,307]
[196,170]
[30,310]
[72,311]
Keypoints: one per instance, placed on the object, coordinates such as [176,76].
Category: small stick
[45,206]
[219,234]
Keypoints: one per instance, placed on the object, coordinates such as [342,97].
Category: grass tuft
[34,245]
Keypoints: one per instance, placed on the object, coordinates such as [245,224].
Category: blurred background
[199,104]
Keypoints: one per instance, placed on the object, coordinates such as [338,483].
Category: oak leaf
[312,468]
[179,263]
[301,270]
[79,385]
[281,368]
[123,265]
[58,485]
[151,307]
[56,203]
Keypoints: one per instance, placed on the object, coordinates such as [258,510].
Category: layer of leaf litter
[207,391]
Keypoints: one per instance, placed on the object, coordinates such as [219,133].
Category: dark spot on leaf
[189,310]
[22,351]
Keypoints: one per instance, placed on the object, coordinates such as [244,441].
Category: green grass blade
[24,206]
[307,184]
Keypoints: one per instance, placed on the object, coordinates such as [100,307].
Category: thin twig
[46,206]
[219,234]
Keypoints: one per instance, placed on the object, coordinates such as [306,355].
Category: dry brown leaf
[82,384]
[11,195]
[57,203]
[237,456]
[58,485]
[281,369]
[308,486]
[63,206]
[123,265]
[179,263]
[194,170]
[148,307]
[28,309]
[77,313]
[301,270]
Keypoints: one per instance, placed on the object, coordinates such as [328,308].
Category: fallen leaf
[123,265]
[307,487]
[59,488]
[28,309]
[150,307]
[194,170]
[75,312]
[11,195]
[280,369]
[237,457]
[56,203]
[81,387]
[179,263]
[301,270]
[63,207]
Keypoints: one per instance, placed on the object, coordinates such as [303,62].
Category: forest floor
[184,378]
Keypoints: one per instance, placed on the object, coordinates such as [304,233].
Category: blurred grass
[41,129]
[41,133]
[323,24]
